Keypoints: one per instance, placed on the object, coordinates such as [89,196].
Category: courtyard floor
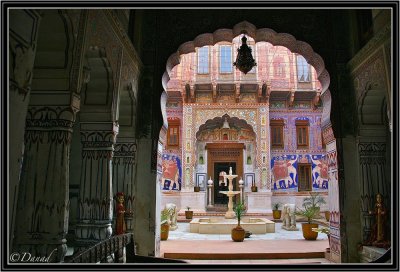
[281,247]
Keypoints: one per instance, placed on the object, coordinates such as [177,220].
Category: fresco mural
[319,171]
[171,172]
[284,171]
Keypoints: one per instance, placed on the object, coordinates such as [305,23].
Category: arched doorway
[222,143]
[262,175]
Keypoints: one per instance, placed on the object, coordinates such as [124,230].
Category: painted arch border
[296,46]
[259,35]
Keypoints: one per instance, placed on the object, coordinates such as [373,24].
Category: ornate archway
[296,46]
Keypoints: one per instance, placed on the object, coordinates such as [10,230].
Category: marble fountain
[225,225]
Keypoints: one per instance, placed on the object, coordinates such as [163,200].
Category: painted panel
[284,171]
[171,172]
[319,172]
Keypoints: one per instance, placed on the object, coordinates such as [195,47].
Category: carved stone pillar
[43,206]
[22,51]
[373,181]
[96,193]
[123,163]
[263,152]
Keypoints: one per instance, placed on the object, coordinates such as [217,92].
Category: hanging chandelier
[244,60]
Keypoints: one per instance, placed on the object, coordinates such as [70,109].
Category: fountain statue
[230,193]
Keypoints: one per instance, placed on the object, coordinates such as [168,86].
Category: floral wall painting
[171,172]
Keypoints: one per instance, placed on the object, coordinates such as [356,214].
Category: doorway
[221,156]
[221,186]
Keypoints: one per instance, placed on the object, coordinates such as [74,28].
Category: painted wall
[171,172]
[284,169]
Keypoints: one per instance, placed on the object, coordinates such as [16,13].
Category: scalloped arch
[259,35]
[219,120]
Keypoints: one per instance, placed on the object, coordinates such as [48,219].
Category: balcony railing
[112,250]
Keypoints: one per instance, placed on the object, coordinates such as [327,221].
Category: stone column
[373,181]
[96,193]
[22,56]
[123,166]
[263,154]
[43,206]
[147,198]
[209,188]
[187,145]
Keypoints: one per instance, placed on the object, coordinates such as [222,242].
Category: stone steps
[247,250]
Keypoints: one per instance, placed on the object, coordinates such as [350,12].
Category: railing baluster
[101,251]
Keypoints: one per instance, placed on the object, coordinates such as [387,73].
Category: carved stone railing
[109,249]
[112,250]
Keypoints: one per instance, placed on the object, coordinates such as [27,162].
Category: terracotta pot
[196,188]
[238,234]
[189,214]
[327,215]
[254,188]
[308,234]
[276,214]
[164,232]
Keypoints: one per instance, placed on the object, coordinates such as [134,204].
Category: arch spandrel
[249,115]
[259,35]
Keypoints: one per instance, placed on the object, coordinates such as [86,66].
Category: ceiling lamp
[244,60]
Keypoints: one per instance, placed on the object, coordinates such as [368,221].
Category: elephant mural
[284,173]
[171,173]
[319,172]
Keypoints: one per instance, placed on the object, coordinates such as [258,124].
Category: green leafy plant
[311,206]
[276,206]
[165,215]
[239,210]
[308,212]
[188,208]
[314,200]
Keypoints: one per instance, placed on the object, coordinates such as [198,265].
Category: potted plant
[314,200]
[188,213]
[276,212]
[238,233]
[165,215]
[310,211]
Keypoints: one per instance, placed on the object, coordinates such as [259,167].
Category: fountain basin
[224,226]
[229,193]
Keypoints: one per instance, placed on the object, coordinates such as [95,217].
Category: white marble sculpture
[289,217]
[173,216]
